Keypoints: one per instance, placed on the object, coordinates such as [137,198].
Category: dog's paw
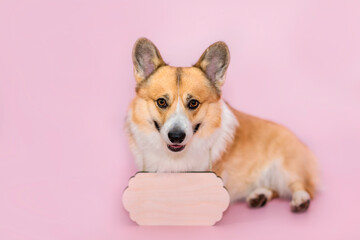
[300,202]
[258,201]
[259,198]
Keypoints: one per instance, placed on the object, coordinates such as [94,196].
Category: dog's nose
[176,135]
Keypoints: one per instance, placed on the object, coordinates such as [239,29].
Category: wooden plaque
[192,198]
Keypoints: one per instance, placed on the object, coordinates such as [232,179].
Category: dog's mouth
[176,147]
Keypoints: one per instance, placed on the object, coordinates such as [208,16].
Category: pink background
[66,80]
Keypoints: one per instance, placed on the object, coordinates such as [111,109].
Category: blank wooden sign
[193,198]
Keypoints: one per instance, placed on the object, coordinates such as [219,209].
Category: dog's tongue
[176,146]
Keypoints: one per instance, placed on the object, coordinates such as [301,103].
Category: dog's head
[178,102]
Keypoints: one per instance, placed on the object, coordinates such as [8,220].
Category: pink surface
[66,80]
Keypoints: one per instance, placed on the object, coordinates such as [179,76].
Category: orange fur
[257,142]
[165,82]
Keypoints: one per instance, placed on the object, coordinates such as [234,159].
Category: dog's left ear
[214,62]
[146,58]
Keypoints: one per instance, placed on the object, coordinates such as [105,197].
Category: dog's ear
[146,58]
[214,62]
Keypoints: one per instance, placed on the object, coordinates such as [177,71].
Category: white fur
[151,152]
[299,197]
[274,177]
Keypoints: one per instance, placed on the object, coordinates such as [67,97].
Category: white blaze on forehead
[180,120]
[178,106]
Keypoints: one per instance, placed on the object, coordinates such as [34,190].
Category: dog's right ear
[146,58]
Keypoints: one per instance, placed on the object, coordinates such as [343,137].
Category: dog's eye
[161,103]
[193,104]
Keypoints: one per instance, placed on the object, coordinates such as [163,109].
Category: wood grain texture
[197,198]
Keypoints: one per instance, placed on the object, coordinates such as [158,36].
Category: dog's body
[179,122]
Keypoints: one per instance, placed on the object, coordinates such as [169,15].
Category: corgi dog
[179,122]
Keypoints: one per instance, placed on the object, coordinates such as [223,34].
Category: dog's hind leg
[300,201]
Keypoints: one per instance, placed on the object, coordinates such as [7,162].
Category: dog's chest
[153,161]
[156,157]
